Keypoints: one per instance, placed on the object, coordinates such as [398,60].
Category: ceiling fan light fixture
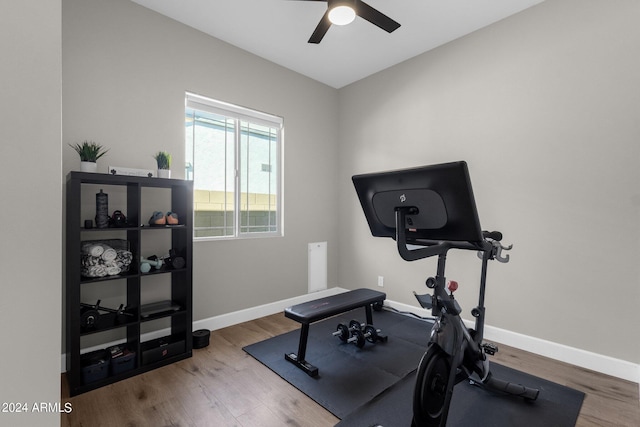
[342,15]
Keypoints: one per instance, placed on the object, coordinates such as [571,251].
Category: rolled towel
[124,257]
[94,271]
[112,270]
[88,260]
[93,250]
[100,271]
[109,254]
[123,261]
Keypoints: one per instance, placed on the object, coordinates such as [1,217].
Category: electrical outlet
[381,281]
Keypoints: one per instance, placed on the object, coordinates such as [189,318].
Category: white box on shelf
[118,170]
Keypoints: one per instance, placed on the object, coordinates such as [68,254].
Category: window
[233,158]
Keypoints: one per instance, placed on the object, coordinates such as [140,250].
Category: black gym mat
[374,385]
[472,406]
[348,377]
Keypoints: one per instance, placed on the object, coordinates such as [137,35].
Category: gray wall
[544,107]
[30,253]
[125,73]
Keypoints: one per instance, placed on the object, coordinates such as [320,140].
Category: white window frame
[238,113]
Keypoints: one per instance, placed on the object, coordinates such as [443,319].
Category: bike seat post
[441,282]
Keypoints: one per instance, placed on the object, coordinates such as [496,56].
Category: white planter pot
[164,173]
[88,167]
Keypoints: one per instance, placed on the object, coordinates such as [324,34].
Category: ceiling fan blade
[377,18]
[321,29]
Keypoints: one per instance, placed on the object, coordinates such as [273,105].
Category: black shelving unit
[127,325]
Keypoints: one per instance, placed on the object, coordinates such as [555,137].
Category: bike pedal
[490,348]
[426,300]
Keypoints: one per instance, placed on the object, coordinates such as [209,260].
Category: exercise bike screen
[441,195]
[423,200]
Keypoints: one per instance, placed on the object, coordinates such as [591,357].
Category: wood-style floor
[223,386]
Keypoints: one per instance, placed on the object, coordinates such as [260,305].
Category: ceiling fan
[342,12]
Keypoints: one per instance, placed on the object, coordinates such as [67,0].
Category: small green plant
[89,151]
[163,159]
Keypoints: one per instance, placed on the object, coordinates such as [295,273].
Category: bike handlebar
[493,235]
[431,248]
[490,245]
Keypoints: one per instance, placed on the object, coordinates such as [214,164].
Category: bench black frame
[323,308]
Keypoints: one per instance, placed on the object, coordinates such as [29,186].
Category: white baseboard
[596,362]
[229,319]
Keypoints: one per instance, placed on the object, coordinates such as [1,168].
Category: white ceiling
[278,30]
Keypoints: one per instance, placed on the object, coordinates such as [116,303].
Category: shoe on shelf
[172,218]
[158,218]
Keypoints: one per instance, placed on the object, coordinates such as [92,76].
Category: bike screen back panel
[440,197]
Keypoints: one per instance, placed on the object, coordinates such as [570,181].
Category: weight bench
[313,311]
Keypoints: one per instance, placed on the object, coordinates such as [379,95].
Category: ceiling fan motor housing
[351,8]
[342,12]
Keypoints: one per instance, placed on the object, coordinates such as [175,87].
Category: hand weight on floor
[358,333]
[369,333]
[354,324]
[345,332]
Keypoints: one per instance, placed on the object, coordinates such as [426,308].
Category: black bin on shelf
[95,366]
[122,359]
[161,348]
[123,363]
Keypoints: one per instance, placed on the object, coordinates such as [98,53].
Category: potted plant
[89,153]
[163,159]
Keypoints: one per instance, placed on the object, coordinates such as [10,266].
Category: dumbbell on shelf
[147,263]
[90,313]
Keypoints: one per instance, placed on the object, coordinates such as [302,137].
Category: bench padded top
[322,308]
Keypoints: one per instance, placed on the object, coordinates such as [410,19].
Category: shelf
[108,278]
[163,227]
[159,310]
[102,230]
[109,179]
[162,270]
[152,272]
[174,195]
[134,228]
[108,322]
[163,315]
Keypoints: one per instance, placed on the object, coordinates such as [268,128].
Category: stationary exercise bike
[429,211]
[454,352]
